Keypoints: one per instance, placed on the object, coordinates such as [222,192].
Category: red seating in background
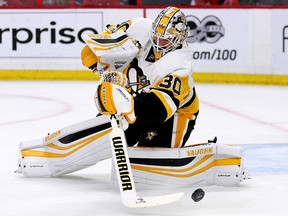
[101,2]
[22,3]
[55,3]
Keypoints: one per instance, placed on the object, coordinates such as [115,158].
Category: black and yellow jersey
[166,103]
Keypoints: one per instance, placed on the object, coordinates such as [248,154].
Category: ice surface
[254,117]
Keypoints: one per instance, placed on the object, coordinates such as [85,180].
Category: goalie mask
[169,30]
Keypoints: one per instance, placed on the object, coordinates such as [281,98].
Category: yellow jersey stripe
[182,122]
[167,102]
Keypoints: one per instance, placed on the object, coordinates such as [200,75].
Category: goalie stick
[125,177]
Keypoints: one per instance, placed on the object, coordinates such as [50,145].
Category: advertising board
[224,41]
[51,39]
[280,41]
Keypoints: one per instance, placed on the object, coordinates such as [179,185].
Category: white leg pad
[191,166]
[67,150]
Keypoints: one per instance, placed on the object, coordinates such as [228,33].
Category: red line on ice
[66,108]
[245,116]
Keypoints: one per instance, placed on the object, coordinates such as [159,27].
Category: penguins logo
[210,29]
[151,134]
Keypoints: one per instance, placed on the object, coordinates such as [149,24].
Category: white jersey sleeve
[140,30]
[177,62]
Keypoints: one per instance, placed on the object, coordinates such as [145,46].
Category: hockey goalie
[146,80]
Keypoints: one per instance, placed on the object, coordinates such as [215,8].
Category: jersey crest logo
[141,80]
[151,134]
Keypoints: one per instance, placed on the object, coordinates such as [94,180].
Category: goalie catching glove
[113,98]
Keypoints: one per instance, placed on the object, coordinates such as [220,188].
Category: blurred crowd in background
[119,3]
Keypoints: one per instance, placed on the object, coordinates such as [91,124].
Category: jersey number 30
[173,83]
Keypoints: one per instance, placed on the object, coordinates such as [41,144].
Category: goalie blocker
[84,144]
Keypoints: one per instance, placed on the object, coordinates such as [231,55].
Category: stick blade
[146,202]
